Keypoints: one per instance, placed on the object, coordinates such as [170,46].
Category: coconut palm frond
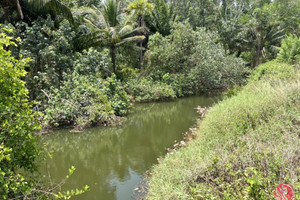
[95,39]
[134,39]
[110,12]
[162,17]
[130,33]
[276,35]
[52,7]
[125,30]
[91,16]
[90,23]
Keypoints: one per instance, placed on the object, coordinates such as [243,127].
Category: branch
[49,98]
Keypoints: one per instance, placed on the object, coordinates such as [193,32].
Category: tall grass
[245,146]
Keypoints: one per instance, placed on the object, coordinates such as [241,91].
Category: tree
[162,17]
[38,8]
[19,149]
[18,145]
[107,31]
[199,13]
[290,50]
[262,34]
[138,10]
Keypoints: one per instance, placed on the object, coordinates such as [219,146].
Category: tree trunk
[19,9]
[113,58]
[140,24]
[257,54]
[141,56]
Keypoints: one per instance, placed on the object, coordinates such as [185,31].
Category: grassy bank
[245,146]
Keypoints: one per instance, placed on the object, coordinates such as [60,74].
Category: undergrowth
[245,147]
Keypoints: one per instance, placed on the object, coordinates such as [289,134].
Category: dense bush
[18,146]
[92,61]
[197,56]
[51,51]
[120,101]
[86,100]
[144,90]
[290,50]
[246,145]
[273,70]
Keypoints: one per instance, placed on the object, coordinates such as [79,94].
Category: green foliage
[18,147]
[117,95]
[45,7]
[81,3]
[199,13]
[290,50]
[254,138]
[252,27]
[110,12]
[85,100]
[196,56]
[17,119]
[12,184]
[161,18]
[144,90]
[140,7]
[127,73]
[115,34]
[235,180]
[92,61]
[273,70]
[51,51]
[19,150]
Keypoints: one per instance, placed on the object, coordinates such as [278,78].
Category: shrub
[273,70]
[144,90]
[196,55]
[290,50]
[85,100]
[120,101]
[51,50]
[92,61]
[19,150]
[18,145]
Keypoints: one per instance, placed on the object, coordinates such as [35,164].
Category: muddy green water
[112,160]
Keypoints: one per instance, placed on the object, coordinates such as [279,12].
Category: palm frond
[95,39]
[91,16]
[52,7]
[134,39]
[110,13]
[129,32]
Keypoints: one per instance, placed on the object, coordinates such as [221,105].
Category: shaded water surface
[112,160]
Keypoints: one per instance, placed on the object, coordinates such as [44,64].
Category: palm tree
[108,31]
[263,36]
[52,7]
[162,18]
[39,8]
[139,9]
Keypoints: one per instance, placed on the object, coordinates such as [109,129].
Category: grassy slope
[245,147]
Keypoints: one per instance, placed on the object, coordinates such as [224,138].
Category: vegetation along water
[112,160]
[125,75]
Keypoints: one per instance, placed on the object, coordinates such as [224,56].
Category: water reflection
[112,160]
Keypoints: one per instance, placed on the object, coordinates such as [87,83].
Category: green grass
[245,146]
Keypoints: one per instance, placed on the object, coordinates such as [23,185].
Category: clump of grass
[245,147]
